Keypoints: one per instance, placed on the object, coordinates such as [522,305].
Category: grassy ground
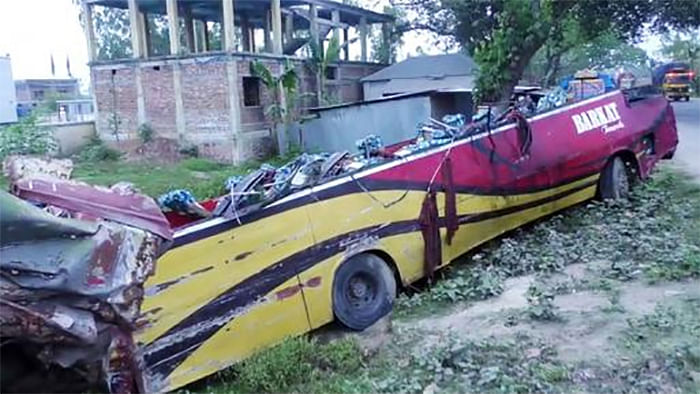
[204,178]
[601,298]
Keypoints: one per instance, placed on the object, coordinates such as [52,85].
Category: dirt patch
[159,150]
[638,298]
[588,322]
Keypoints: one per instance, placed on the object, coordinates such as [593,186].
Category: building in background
[204,95]
[33,93]
[416,74]
[8,101]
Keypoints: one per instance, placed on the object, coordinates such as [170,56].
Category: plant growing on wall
[286,98]
[319,63]
[282,87]
[285,108]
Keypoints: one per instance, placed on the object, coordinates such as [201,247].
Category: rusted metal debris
[72,267]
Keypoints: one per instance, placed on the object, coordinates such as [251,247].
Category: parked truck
[675,80]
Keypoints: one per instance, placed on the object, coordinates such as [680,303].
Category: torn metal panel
[74,287]
[117,204]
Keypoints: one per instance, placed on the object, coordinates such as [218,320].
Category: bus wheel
[687,98]
[364,289]
[614,181]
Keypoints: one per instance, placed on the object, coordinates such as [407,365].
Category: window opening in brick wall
[331,73]
[251,91]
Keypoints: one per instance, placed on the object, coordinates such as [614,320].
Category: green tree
[607,51]
[386,41]
[504,35]
[285,108]
[319,63]
[282,87]
[112,33]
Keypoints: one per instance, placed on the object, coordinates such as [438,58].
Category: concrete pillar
[89,30]
[143,34]
[179,104]
[335,18]
[135,29]
[140,99]
[147,44]
[289,27]
[363,39]
[266,31]
[234,108]
[173,26]
[189,29]
[313,16]
[245,32]
[346,42]
[197,28]
[229,26]
[276,14]
[205,37]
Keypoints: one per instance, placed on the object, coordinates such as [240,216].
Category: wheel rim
[361,290]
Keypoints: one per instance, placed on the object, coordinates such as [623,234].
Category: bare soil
[589,319]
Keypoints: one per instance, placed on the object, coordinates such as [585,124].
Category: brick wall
[205,98]
[159,99]
[115,93]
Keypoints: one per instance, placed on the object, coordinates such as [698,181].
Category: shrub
[26,137]
[541,303]
[294,362]
[189,151]
[96,150]
[146,133]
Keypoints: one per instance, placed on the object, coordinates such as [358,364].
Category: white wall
[8,101]
[72,137]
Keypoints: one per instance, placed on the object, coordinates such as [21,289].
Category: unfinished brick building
[206,97]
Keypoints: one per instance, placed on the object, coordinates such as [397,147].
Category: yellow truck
[676,84]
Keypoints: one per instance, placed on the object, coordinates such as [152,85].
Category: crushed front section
[71,285]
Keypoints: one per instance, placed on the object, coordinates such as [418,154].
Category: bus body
[229,286]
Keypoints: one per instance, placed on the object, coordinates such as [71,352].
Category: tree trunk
[553,65]
[503,94]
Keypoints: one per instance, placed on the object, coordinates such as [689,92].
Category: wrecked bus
[336,244]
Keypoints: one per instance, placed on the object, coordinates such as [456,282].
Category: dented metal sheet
[117,204]
[71,280]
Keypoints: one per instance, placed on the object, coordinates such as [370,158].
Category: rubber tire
[370,268]
[687,98]
[614,181]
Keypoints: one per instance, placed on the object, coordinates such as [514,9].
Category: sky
[31,31]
